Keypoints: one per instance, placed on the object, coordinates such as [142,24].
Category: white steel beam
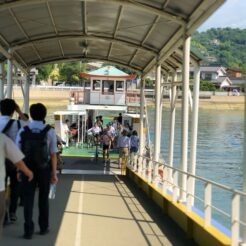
[9,79]
[185,114]
[244,169]
[157,112]
[152,27]
[26,94]
[9,56]
[80,36]
[194,129]
[1,80]
[172,123]
[142,106]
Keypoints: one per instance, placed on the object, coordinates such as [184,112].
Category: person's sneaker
[12,217]
[27,236]
[44,232]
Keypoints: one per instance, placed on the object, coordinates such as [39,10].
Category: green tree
[207,86]
[44,71]
[70,71]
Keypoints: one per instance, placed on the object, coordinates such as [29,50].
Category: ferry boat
[107,95]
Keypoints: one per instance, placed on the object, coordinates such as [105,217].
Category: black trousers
[42,181]
[14,190]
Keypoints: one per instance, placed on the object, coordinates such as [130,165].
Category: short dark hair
[7,106]
[38,111]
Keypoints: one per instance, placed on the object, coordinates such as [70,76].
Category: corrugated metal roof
[133,33]
[108,71]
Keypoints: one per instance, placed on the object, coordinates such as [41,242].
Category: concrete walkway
[99,210]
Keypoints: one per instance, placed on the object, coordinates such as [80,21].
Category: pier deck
[98,209]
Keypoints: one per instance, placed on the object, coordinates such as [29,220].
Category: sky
[231,14]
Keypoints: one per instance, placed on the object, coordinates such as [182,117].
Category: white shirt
[95,130]
[7,150]
[38,126]
[12,132]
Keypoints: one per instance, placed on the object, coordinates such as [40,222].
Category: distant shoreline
[53,97]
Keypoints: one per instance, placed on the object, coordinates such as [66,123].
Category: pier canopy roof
[133,33]
[109,72]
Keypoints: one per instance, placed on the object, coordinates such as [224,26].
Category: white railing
[167,179]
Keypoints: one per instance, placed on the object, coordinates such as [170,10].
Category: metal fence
[168,179]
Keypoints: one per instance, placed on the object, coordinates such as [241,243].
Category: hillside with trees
[223,46]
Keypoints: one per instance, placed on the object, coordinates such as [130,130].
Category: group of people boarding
[27,160]
[115,135]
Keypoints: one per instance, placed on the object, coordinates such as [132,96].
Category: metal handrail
[172,181]
[199,177]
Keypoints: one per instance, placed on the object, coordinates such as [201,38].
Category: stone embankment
[63,93]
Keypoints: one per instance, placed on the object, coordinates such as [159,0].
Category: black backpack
[8,164]
[35,148]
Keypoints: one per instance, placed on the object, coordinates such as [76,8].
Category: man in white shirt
[9,150]
[10,128]
[44,174]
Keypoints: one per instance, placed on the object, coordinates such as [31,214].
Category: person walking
[123,145]
[134,146]
[10,127]
[39,144]
[9,150]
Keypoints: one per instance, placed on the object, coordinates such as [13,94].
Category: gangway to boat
[98,208]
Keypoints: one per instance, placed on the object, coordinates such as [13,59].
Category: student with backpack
[8,149]
[10,127]
[39,144]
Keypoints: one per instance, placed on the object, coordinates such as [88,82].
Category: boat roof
[85,107]
[132,115]
[131,33]
[109,72]
[69,112]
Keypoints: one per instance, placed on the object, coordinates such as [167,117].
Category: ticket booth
[108,86]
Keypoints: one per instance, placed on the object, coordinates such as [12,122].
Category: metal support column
[172,123]
[9,79]
[157,112]
[1,81]
[244,170]
[194,126]
[141,139]
[26,94]
[185,113]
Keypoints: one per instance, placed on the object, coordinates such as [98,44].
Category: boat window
[108,87]
[96,85]
[119,85]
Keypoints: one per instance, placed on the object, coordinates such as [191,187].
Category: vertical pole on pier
[1,81]
[26,94]
[157,112]
[141,135]
[244,168]
[185,113]
[172,122]
[194,127]
[9,78]
[157,122]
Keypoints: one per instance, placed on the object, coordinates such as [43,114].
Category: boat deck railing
[170,181]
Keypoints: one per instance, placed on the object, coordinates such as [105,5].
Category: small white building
[107,86]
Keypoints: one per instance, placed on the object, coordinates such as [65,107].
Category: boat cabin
[107,86]
[76,124]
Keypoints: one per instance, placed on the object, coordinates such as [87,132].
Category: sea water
[219,153]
